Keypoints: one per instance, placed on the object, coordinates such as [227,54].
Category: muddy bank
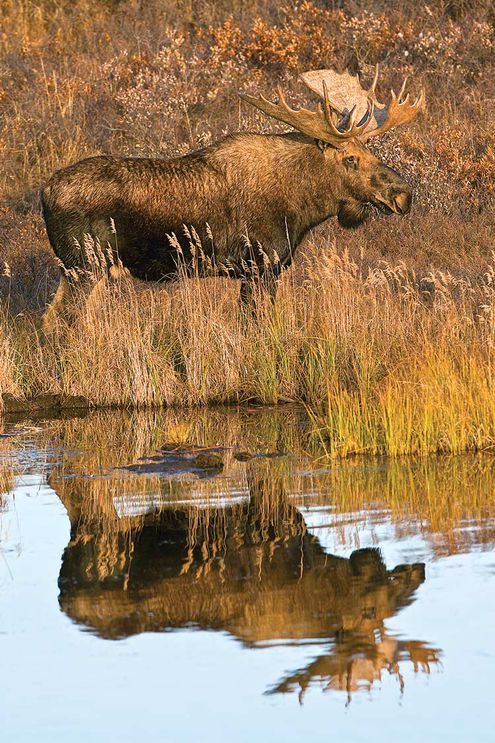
[10,404]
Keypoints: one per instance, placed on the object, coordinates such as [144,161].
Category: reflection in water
[164,543]
[120,464]
[181,519]
[252,570]
[6,466]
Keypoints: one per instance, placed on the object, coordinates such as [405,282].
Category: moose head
[345,119]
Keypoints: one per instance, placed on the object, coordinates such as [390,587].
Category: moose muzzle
[392,194]
[402,202]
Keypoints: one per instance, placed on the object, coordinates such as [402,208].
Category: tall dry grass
[387,363]
[404,370]
[7,357]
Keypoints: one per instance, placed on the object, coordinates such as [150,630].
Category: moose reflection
[250,568]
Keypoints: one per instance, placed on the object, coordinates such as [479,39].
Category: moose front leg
[255,285]
[69,295]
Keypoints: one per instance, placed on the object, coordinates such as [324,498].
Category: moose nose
[402,202]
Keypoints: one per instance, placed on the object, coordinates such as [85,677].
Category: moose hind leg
[117,272]
[96,293]
[56,307]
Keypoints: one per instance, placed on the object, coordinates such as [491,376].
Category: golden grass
[6,361]
[387,364]
[412,373]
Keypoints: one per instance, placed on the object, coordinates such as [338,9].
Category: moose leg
[96,292]
[253,287]
[270,282]
[246,298]
[116,273]
[56,306]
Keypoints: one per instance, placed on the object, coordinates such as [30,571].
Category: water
[206,575]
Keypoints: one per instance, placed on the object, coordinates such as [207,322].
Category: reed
[8,365]
[384,365]
[7,478]
[7,469]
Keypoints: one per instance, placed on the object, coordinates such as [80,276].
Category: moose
[244,204]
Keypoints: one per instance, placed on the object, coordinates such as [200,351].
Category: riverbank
[387,363]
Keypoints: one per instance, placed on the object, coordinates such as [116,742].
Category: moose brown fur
[244,203]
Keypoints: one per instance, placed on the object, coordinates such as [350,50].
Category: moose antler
[322,123]
[345,93]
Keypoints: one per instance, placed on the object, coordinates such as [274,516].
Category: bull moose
[247,201]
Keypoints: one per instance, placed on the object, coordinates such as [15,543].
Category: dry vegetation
[387,332]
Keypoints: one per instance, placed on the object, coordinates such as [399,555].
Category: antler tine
[326,104]
[356,129]
[368,116]
[372,89]
[348,120]
[317,124]
[281,97]
[329,112]
[401,92]
[352,118]
[420,100]
[400,111]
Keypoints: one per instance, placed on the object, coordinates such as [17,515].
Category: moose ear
[322,145]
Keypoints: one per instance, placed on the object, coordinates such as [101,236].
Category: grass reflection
[7,473]
[119,465]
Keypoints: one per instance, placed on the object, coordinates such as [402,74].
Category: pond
[208,575]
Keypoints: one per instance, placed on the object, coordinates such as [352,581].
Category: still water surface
[206,575]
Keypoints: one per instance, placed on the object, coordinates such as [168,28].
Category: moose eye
[351,161]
